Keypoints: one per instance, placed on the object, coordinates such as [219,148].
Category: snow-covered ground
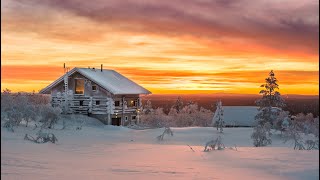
[107,152]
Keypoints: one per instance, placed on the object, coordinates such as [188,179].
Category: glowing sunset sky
[167,46]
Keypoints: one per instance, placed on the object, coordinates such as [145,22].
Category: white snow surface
[99,152]
[111,80]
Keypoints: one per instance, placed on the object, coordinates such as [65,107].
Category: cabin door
[116,121]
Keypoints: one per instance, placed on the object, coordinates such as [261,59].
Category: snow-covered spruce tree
[218,117]
[269,107]
[178,105]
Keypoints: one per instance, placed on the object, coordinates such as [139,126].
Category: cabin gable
[90,88]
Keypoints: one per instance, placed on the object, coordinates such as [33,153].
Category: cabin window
[117,103]
[81,103]
[79,85]
[94,87]
[97,102]
[126,118]
[132,103]
[133,117]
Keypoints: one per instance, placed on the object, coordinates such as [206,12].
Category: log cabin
[101,93]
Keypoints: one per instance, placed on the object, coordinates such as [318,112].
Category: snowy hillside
[239,115]
[108,152]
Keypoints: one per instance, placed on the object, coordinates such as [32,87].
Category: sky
[167,46]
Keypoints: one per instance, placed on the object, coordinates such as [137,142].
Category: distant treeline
[295,104]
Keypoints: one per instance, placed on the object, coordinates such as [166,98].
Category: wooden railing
[85,104]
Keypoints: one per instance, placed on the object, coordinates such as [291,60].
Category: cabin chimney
[101,67]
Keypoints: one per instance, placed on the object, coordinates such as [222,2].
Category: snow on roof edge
[75,69]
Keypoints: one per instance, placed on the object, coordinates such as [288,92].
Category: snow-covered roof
[110,80]
[239,115]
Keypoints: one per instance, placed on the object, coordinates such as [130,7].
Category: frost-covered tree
[21,107]
[309,121]
[203,117]
[186,116]
[147,109]
[156,118]
[269,107]
[297,128]
[261,135]
[218,117]
[49,116]
[294,133]
[281,122]
[178,105]
[315,131]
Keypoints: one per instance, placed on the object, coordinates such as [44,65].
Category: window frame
[75,86]
[96,88]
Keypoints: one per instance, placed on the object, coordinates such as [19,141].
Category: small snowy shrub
[42,138]
[167,131]
[294,133]
[20,107]
[49,115]
[9,126]
[297,129]
[214,145]
[311,144]
[261,135]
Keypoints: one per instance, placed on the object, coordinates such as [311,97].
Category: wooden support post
[66,93]
[90,105]
[138,110]
[122,116]
[109,119]
[109,107]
